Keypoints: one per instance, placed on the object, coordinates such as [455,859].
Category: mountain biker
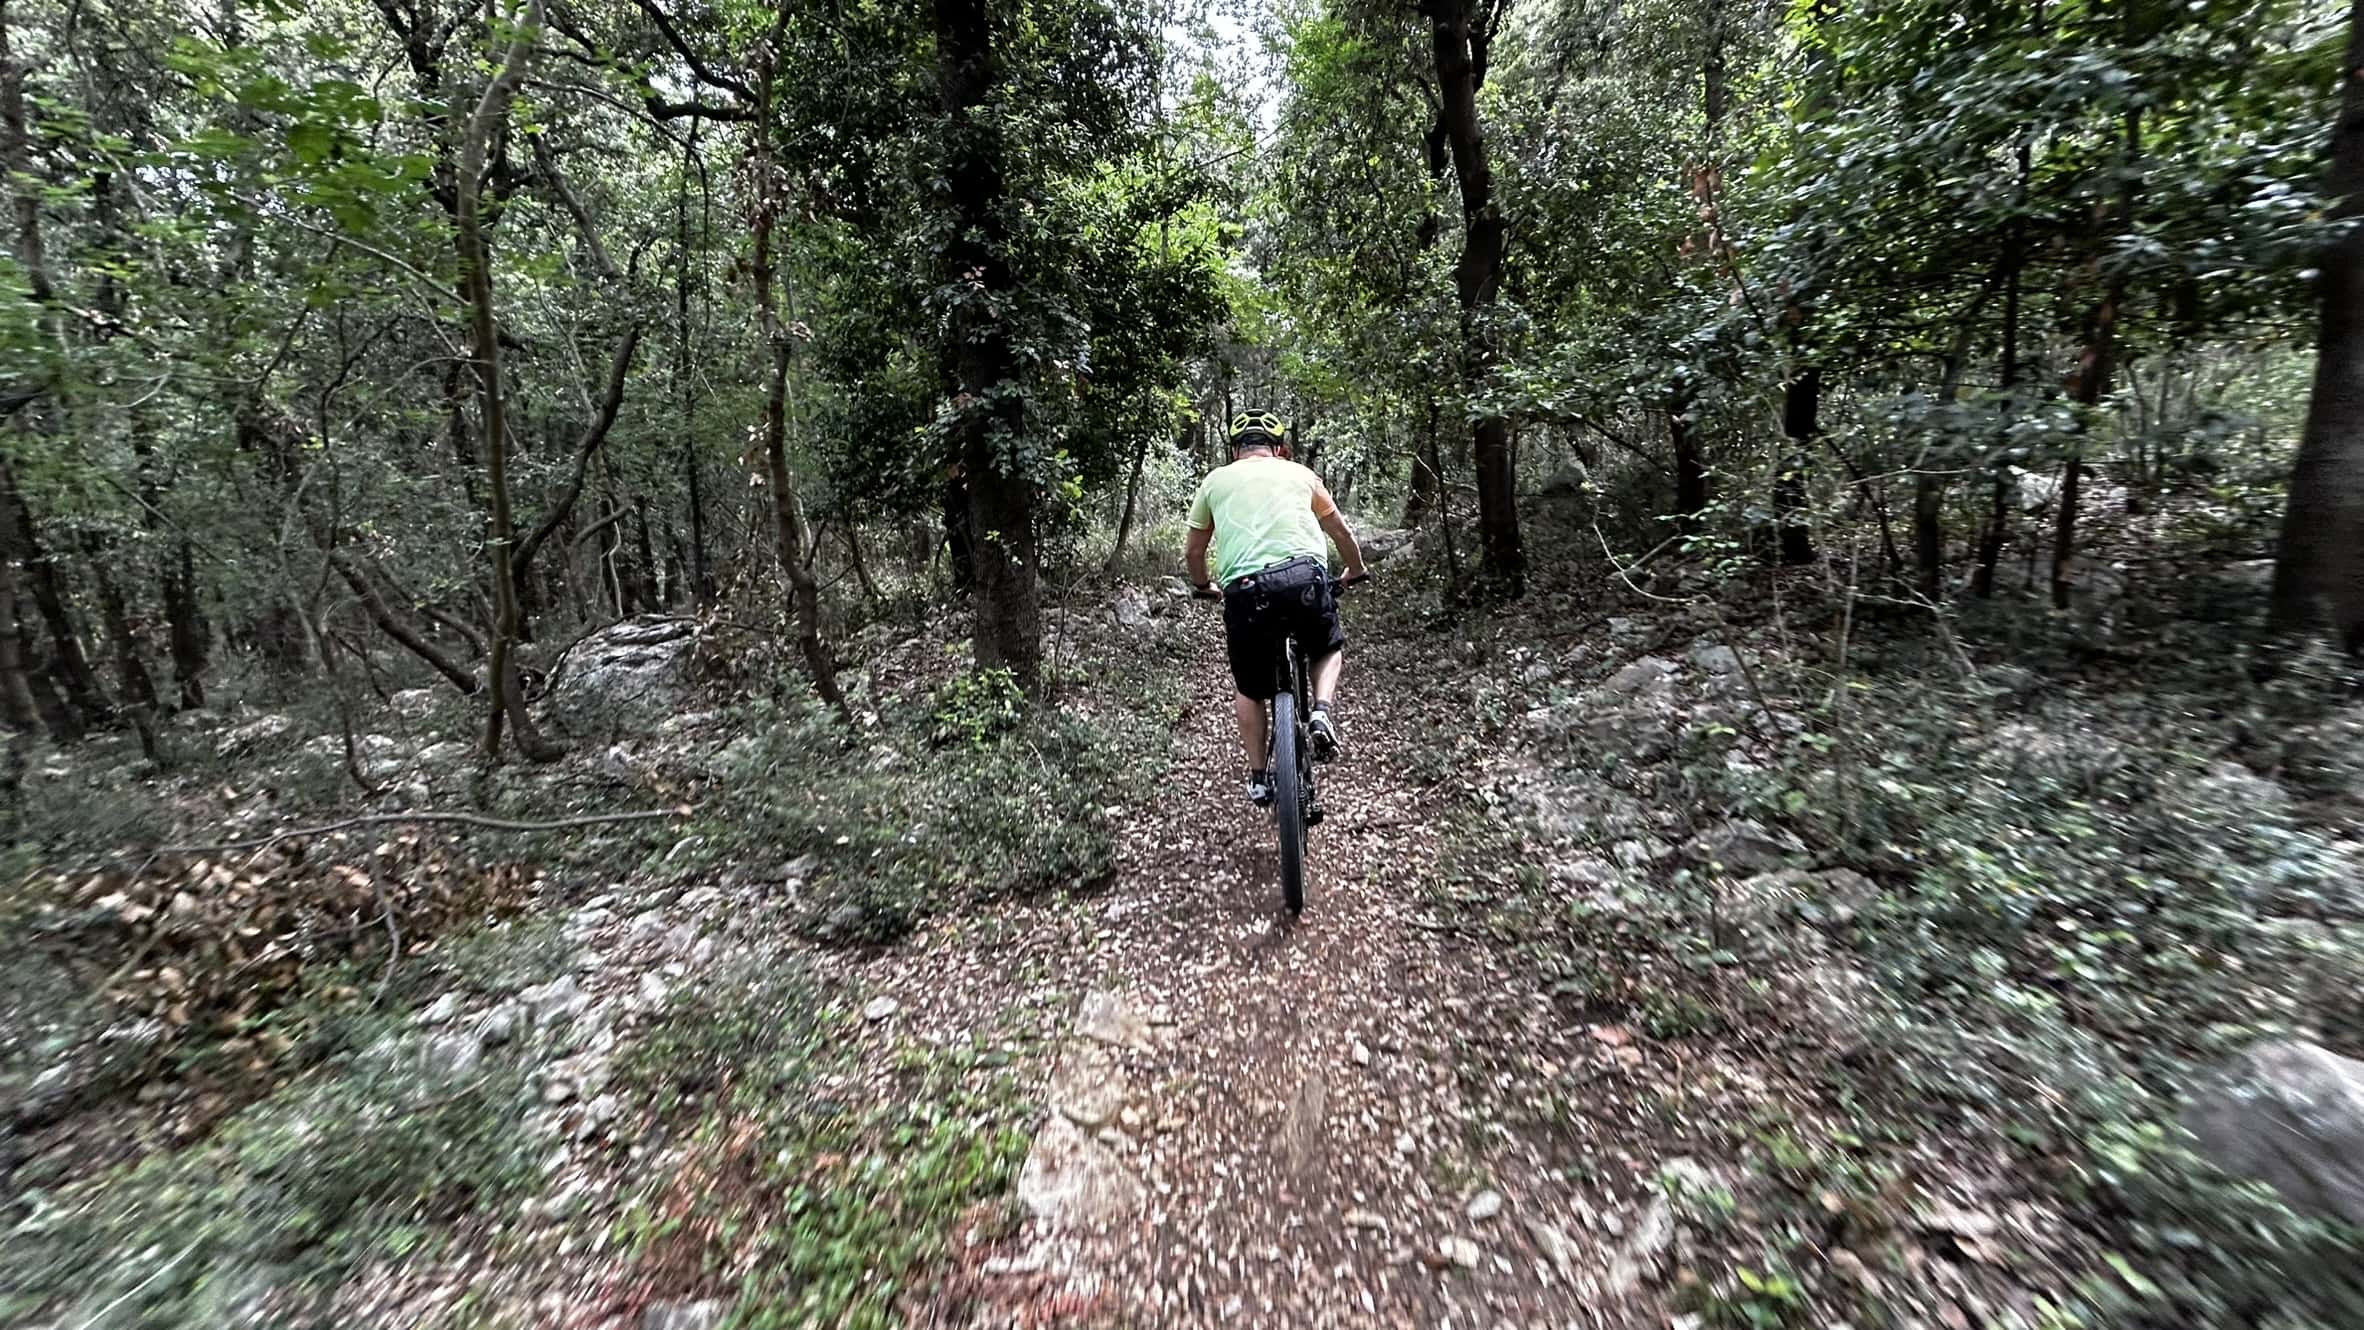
[1267,517]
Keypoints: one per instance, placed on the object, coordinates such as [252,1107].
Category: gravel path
[1261,1121]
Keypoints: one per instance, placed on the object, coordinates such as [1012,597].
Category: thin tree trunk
[1801,407]
[1690,464]
[489,119]
[186,626]
[1990,544]
[20,539]
[790,534]
[17,707]
[2094,366]
[1421,496]
[2319,568]
[853,549]
[1124,523]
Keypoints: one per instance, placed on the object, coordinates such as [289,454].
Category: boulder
[253,734]
[1642,676]
[1130,607]
[1384,543]
[413,703]
[2290,1115]
[1714,657]
[1743,846]
[627,678]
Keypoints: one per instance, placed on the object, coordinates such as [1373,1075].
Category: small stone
[1361,1054]
[1554,1245]
[653,992]
[557,1090]
[1485,1205]
[1365,1219]
[1457,1251]
[704,1314]
[880,1009]
[1404,1145]
[441,1010]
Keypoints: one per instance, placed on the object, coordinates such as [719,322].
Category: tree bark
[1801,408]
[123,639]
[2319,568]
[1124,523]
[1460,53]
[1690,463]
[790,534]
[17,707]
[488,119]
[20,540]
[2094,366]
[989,422]
[1990,543]
[594,435]
[1421,496]
[373,603]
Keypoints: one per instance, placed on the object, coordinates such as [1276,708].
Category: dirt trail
[1273,1130]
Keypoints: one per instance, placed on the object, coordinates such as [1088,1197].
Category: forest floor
[1644,981]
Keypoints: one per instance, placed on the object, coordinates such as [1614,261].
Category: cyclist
[1266,517]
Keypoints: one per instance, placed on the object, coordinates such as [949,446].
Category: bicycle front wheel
[1288,801]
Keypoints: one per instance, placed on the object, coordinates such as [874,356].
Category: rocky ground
[1575,1030]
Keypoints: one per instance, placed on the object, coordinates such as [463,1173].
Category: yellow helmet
[1248,425]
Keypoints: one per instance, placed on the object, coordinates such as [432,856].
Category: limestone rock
[1108,1018]
[1072,1180]
[2291,1115]
[628,678]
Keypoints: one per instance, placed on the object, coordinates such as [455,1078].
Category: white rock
[1485,1205]
[441,1010]
[1072,1180]
[881,1008]
[1459,1251]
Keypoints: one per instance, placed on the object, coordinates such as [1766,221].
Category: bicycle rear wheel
[1288,801]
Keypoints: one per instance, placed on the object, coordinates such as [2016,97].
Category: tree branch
[593,436]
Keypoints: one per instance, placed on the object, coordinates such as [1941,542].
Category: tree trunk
[2094,366]
[2319,568]
[123,640]
[1990,543]
[1690,463]
[185,624]
[792,537]
[1460,53]
[17,707]
[475,254]
[989,418]
[1801,408]
[1421,496]
[20,540]
[1124,523]
[594,435]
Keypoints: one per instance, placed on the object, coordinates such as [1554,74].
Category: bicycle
[1288,749]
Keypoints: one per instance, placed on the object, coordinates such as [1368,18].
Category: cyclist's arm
[1194,553]
[1325,510]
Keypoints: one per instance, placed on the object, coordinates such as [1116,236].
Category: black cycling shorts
[1263,610]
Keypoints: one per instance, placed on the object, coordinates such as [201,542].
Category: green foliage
[356,1164]
[977,707]
[835,1207]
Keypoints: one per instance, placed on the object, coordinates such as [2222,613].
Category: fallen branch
[451,819]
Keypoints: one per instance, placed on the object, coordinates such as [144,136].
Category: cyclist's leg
[1250,714]
[1322,640]
[1252,636]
